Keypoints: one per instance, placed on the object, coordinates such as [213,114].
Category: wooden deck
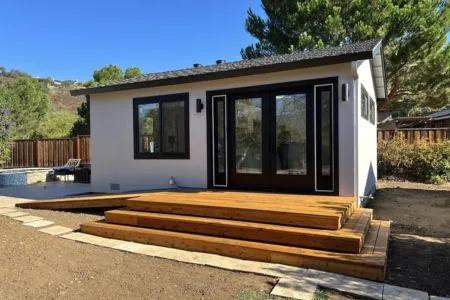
[321,232]
[370,266]
[106,201]
[349,239]
[325,212]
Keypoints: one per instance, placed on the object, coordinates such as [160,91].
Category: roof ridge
[358,50]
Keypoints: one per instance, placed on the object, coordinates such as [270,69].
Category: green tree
[56,125]
[82,124]
[28,104]
[414,32]
[132,72]
[108,74]
[5,125]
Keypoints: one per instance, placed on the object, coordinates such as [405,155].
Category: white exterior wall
[112,153]
[366,137]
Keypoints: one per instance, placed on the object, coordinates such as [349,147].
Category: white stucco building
[302,123]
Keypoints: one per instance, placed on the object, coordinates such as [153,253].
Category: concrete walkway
[9,196]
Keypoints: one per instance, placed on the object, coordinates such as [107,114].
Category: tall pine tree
[414,31]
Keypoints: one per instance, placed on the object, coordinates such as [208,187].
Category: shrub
[4,136]
[421,160]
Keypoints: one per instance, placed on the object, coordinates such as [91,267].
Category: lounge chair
[68,168]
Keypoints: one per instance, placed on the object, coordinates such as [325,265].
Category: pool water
[17,177]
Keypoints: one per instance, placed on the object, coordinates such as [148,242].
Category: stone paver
[56,230]
[7,210]
[39,223]
[92,239]
[399,293]
[132,247]
[29,218]
[16,214]
[10,202]
[297,289]
[351,285]
[438,298]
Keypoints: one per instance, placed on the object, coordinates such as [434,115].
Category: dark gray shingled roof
[299,59]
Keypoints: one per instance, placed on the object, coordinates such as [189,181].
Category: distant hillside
[62,100]
[58,91]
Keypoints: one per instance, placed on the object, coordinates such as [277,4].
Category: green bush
[421,160]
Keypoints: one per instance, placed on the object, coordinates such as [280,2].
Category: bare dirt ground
[419,247]
[34,265]
[37,266]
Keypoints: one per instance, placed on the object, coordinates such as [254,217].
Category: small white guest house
[300,123]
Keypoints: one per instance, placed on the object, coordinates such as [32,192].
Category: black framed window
[161,127]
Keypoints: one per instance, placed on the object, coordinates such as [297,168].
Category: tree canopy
[27,103]
[82,124]
[107,74]
[57,124]
[111,73]
[4,133]
[417,54]
[132,72]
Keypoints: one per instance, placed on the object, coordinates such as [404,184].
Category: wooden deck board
[107,201]
[348,239]
[295,210]
[369,266]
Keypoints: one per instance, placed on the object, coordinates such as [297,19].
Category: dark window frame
[372,110]
[161,99]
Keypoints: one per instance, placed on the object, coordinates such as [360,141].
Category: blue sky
[69,39]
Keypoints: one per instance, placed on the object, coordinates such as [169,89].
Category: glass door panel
[291,134]
[248,136]
[219,141]
[324,138]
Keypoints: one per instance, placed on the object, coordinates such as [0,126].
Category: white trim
[226,141]
[332,138]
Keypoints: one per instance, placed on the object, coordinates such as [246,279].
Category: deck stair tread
[106,201]
[316,212]
[369,264]
[349,238]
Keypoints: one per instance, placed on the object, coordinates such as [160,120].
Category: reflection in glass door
[249,140]
[248,136]
[219,130]
[324,137]
[291,134]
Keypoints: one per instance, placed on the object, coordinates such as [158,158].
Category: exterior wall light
[199,105]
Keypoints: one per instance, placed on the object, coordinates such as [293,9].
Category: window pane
[326,132]
[220,136]
[173,127]
[248,136]
[219,141]
[149,131]
[291,134]
[364,103]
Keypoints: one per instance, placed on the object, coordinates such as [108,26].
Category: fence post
[36,153]
[78,147]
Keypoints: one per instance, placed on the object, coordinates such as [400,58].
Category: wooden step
[369,265]
[348,239]
[104,201]
[322,213]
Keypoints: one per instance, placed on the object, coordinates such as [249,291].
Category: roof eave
[227,74]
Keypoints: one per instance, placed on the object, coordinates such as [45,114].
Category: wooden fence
[48,152]
[414,134]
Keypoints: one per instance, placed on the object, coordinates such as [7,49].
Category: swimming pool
[11,177]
